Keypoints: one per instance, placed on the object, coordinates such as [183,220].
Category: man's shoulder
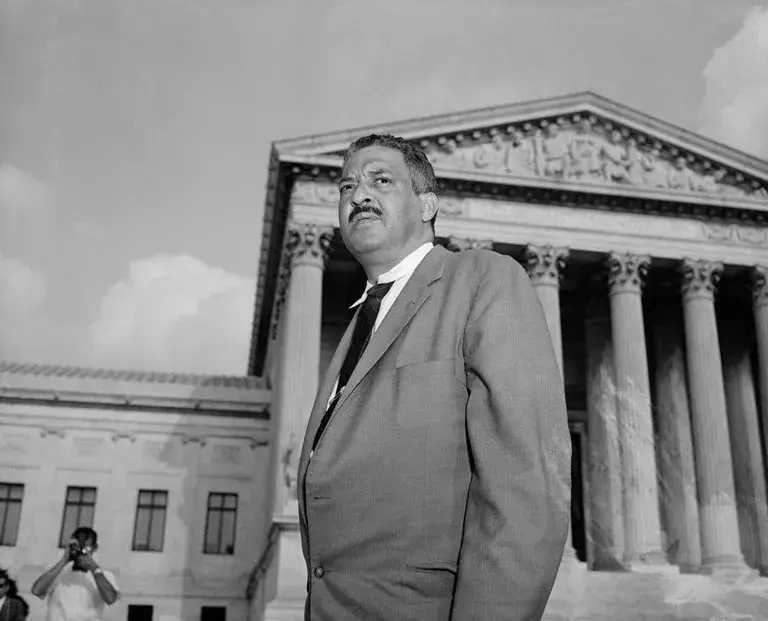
[482,262]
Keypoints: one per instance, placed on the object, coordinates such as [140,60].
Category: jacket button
[319,572]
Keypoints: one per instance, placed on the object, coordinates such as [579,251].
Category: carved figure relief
[87,447]
[448,156]
[588,150]
[735,233]
[14,443]
[491,156]
[290,464]
[226,455]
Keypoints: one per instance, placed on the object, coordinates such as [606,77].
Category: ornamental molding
[699,278]
[586,148]
[304,244]
[545,264]
[459,244]
[308,243]
[577,138]
[760,285]
[736,234]
[626,272]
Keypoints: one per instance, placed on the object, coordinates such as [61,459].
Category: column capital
[545,264]
[308,244]
[760,285]
[305,244]
[626,272]
[699,278]
[457,244]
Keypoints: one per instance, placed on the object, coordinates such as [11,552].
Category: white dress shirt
[398,275]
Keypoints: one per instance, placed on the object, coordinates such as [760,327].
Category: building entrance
[579,489]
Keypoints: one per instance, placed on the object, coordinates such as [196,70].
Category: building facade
[170,470]
[648,247]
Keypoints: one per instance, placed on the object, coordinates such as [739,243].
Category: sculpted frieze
[587,150]
[14,442]
[313,193]
[735,233]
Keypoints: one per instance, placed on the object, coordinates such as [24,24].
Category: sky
[135,135]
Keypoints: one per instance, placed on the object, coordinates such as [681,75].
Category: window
[11,495]
[138,612]
[79,507]
[220,524]
[213,613]
[149,528]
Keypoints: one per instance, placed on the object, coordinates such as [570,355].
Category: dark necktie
[361,335]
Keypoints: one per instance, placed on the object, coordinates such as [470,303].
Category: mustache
[364,209]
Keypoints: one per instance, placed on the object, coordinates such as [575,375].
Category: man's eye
[345,188]
[383,180]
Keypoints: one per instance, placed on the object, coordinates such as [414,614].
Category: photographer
[80,591]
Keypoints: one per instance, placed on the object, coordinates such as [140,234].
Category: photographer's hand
[87,562]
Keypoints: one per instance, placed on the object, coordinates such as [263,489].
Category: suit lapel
[324,393]
[411,298]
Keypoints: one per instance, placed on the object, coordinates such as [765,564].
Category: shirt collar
[406,267]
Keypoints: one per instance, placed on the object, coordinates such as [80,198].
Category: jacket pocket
[413,362]
[433,579]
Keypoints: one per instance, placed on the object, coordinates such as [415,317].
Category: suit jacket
[12,610]
[440,488]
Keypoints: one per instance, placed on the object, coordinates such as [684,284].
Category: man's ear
[430,205]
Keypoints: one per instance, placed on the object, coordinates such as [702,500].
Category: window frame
[153,510]
[64,536]
[221,510]
[5,506]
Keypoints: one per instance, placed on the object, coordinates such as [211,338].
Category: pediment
[577,139]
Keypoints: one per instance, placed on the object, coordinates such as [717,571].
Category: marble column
[677,475]
[642,525]
[458,244]
[746,448]
[299,360]
[606,530]
[545,265]
[280,582]
[760,310]
[720,543]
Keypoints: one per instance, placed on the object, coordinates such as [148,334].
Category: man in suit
[434,479]
[11,606]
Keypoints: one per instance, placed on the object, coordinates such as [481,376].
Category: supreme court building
[648,247]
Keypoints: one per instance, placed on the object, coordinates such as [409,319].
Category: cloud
[27,333]
[175,313]
[22,290]
[25,212]
[21,191]
[735,105]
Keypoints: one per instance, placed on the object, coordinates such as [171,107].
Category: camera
[75,550]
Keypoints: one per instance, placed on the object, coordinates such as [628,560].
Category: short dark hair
[86,533]
[420,168]
[5,575]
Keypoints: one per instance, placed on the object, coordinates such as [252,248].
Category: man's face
[378,208]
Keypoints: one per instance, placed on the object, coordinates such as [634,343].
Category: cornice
[133,402]
[472,124]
